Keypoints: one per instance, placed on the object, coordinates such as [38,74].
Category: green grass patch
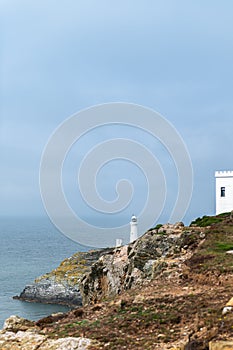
[223,246]
[208,220]
[156,227]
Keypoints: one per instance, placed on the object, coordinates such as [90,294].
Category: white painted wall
[224,179]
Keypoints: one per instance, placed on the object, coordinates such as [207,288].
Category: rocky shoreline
[61,286]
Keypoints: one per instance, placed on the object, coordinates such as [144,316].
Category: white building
[133,229]
[224,191]
[119,242]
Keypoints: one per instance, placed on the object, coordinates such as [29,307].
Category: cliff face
[88,277]
[128,266]
[61,286]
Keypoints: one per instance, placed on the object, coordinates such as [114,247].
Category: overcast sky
[58,57]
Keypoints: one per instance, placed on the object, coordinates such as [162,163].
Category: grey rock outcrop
[50,291]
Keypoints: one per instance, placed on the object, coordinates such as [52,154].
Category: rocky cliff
[128,266]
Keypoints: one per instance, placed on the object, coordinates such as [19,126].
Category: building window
[222,191]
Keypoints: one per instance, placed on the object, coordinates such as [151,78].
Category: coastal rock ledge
[61,286]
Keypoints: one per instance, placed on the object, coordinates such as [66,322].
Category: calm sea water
[29,248]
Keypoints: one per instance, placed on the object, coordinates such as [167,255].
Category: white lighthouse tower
[133,229]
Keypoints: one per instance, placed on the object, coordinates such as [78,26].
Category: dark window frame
[223,192]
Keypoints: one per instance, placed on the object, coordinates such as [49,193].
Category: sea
[30,247]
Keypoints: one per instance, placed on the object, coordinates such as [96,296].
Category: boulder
[16,323]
